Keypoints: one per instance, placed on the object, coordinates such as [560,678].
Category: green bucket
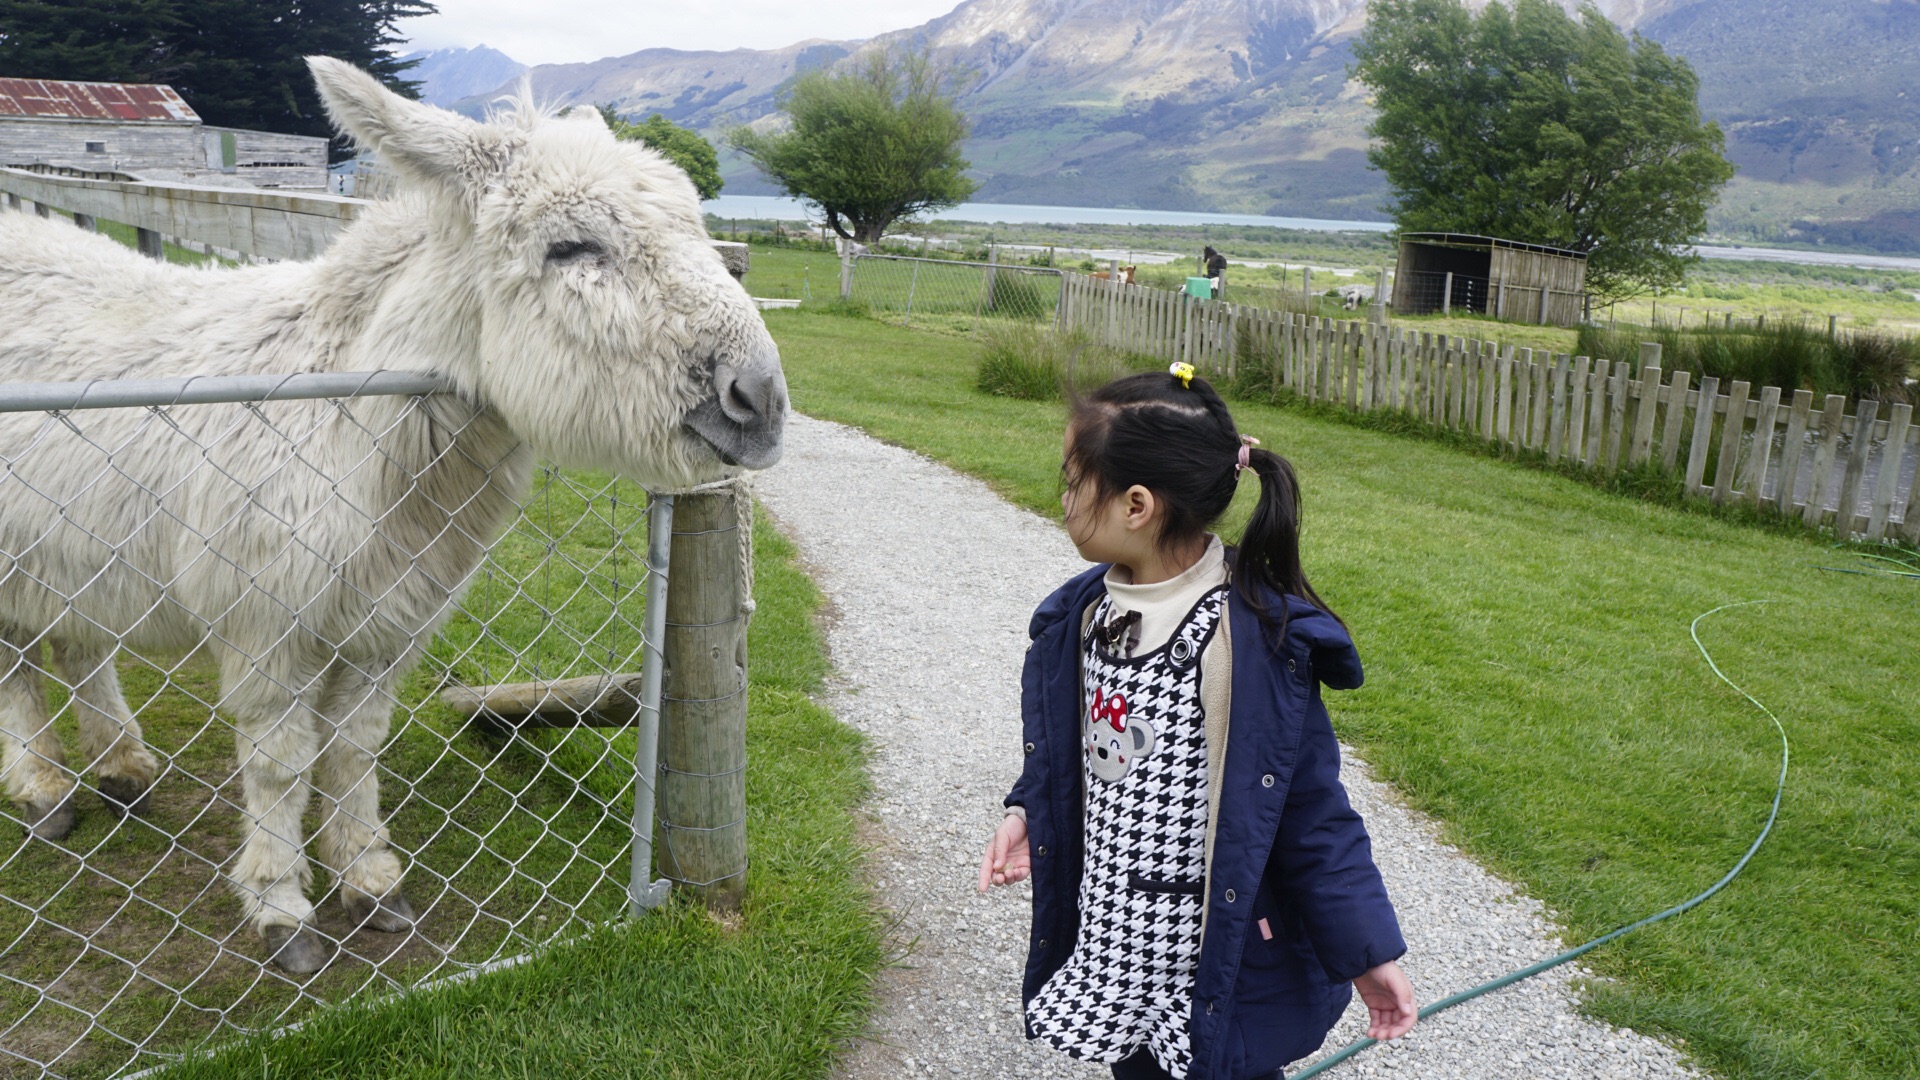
[1200,287]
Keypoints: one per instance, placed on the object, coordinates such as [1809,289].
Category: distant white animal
[559,279]
[1352,296]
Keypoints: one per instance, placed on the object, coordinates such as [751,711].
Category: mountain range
[1246,105]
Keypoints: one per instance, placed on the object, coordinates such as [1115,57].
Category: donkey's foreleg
[110,738]
[276,743]
[352,839]
[32,761]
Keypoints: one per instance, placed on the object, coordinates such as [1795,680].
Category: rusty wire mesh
[148,547]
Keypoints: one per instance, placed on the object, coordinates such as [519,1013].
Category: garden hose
[1531,970]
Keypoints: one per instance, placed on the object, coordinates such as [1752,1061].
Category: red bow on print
[1112,709]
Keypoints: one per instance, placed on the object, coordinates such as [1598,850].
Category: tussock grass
[1531,683]
[1790,355]
[1039,363]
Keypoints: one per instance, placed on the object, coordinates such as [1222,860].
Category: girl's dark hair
[1180,443]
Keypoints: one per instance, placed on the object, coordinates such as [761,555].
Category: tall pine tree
[239,63]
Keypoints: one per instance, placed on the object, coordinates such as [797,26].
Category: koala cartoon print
[1115,740]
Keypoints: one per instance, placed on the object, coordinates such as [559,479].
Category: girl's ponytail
[1268,561]
[1171,433]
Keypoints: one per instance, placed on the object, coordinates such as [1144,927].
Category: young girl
[1202,890]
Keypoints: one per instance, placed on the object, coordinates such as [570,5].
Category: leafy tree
[868,145]
[100,40]
[239,63]
[1526,124]
[684,147]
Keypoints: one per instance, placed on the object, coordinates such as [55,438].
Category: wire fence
[239,615]
[1431,293]
[953,293]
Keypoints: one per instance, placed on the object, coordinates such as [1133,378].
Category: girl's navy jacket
[1288,847]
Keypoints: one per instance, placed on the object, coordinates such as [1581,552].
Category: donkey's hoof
[297,950]
[124,795]
[390,914]
[50,822]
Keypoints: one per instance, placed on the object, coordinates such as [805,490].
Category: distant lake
[780,208]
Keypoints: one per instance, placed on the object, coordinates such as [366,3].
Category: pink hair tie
[1245,457]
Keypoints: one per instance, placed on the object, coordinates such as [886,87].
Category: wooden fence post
[1735,426]
[1891,458]
[1790,451]
[703,730]
[1764,422]
[1865,412]
[1824,455]
[1702,434]
[150,244]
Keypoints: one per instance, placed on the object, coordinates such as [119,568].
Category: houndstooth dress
[1129,980]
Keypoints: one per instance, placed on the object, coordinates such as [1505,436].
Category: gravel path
[933,578]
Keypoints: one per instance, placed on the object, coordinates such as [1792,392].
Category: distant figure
[1353,296]
[1213,267]
[1126,275]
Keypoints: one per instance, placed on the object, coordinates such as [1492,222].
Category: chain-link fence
[242,620]
[950,292]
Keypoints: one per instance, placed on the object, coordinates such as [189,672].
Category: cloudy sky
[568,31]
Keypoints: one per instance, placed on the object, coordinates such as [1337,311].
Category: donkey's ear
[430,143]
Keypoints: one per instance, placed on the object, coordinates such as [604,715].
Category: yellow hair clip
[1183,372]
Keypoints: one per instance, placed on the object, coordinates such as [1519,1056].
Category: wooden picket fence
[1764,447]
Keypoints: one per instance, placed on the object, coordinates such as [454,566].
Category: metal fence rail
[172,554]
[951,291]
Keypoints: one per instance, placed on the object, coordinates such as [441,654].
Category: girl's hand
[1006,860]
[1389,998]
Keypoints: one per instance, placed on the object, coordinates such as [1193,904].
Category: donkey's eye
[566,252]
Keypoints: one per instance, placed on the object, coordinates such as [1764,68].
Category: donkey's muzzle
[746,418]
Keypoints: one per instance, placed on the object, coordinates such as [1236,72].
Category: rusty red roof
[42,98]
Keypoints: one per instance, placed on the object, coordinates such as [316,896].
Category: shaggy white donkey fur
[560,280]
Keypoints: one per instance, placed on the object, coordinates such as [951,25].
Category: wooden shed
[146,131]
[1444,272]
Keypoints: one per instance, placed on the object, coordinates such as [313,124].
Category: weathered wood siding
[126,147]
[179,151]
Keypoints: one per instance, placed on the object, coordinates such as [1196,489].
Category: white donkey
[561,281]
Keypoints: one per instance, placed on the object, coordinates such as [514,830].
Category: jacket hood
[1336,663]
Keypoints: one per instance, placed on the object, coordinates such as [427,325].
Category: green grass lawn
[1531,683]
